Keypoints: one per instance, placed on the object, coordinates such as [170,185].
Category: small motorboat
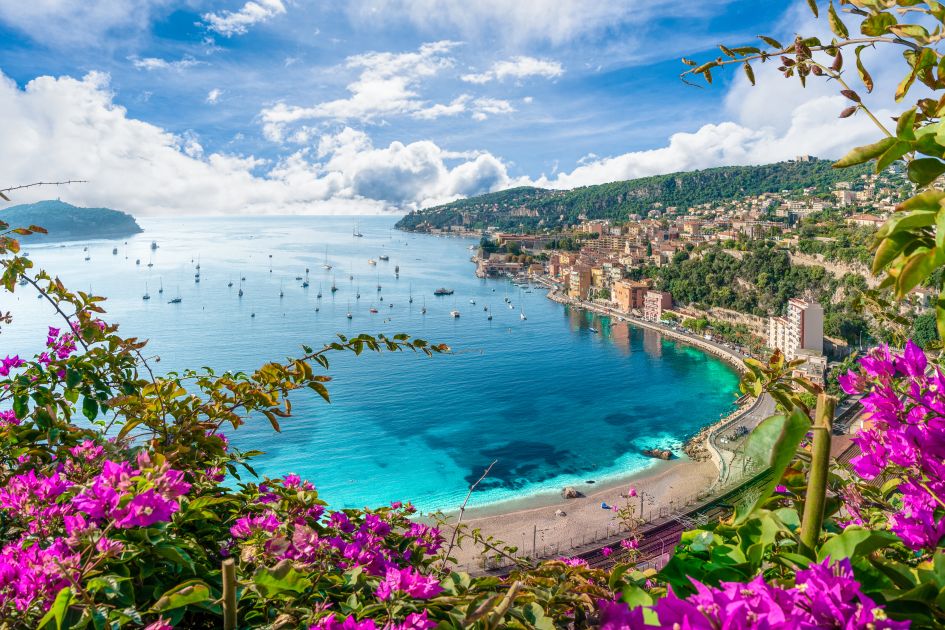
[454,314]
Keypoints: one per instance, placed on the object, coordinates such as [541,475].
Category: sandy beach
[666,485]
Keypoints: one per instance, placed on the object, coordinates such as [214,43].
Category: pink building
[655,303]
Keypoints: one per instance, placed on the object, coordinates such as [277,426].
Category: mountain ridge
[66,222]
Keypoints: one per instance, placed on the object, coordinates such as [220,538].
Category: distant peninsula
[66,222]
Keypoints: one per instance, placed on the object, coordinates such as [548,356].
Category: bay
[551,401]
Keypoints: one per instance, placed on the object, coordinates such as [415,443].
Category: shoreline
[546,524]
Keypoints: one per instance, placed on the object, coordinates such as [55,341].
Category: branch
[462,510]
[71,181]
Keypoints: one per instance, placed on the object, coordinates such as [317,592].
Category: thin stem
[816,499]
[229,594]
[462,510]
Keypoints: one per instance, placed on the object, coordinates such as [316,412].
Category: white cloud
[155,63]
[66,23]
[213,96]
[135,166]
[387,85]
[485,107]
[229,23]
[520,67]
[518,23]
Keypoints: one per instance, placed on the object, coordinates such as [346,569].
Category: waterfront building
[801,329]
[629,295]
[579,281]
[654,303]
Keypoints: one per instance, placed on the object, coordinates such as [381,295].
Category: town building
[654,303]
[801,329]
[629,295]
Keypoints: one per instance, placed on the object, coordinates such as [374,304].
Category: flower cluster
[905,411]
[8,363]
[823,596]
[63,512]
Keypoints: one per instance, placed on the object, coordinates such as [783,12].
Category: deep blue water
[552,401]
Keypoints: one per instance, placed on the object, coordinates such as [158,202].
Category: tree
[924,331]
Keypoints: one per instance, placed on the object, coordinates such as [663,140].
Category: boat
[197,278]
[325,265]
[146,296]
[357,295]
[305,284]
[373,310]
[334,287]
[240,294]
[489,317]
[454,314]
[176,300]
[485,308]
[230,283]
[384,257]
[252,314]
[150,264]
[114,251]
[298,277]
[592,329]
[397,269]
[472,301]
[154,245]
[161,289]
[281,292]
[371,261]
[522,315]
[511,306]
[423,311]
[318,295]
[357,231]
[443,291]
[410,299]
[349,310]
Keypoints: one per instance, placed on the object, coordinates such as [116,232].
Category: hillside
[533,208]
[66,222]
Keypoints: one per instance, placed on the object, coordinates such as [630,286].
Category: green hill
[535,208]
[66,222]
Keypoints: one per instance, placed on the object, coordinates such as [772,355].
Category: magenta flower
[618,616]
[160,624]
[606,551]
[632,492]
[350,623]
[8,418]
[408,581]
[248,525]
[9,363]
[415,621]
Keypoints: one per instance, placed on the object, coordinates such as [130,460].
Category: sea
[561,397]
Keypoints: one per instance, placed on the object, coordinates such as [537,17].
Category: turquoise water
[553,402]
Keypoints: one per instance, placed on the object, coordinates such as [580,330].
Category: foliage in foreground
[123,506]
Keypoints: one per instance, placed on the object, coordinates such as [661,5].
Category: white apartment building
[801,329]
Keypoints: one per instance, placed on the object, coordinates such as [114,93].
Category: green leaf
[774,442]
[90,408]
[749,73]
[877,24]
[771,41]
[855,541]
[813,7]
[925,170]
[889,248]
[917,268]
[893,153]
[57,612]
[184,594]
[905,126]
[836,24]
[865,153]
[864,75]
[282,578]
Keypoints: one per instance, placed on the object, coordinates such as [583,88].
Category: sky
[179,107]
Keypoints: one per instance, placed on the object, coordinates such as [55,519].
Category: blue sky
[380,104]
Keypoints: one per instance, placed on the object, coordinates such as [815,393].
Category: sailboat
[240,294]
[281,291]
[357,231]
[114,251]
[326,266]
[396,271]
[176,300]
[358,294]
[146,296]
[349,309]
[319,295]
[489,316]
[378,282]
[305,282]
[334,287]
[423,311]
[161,289]
[154,245]
[230,283]
[522,308]
[410,299]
